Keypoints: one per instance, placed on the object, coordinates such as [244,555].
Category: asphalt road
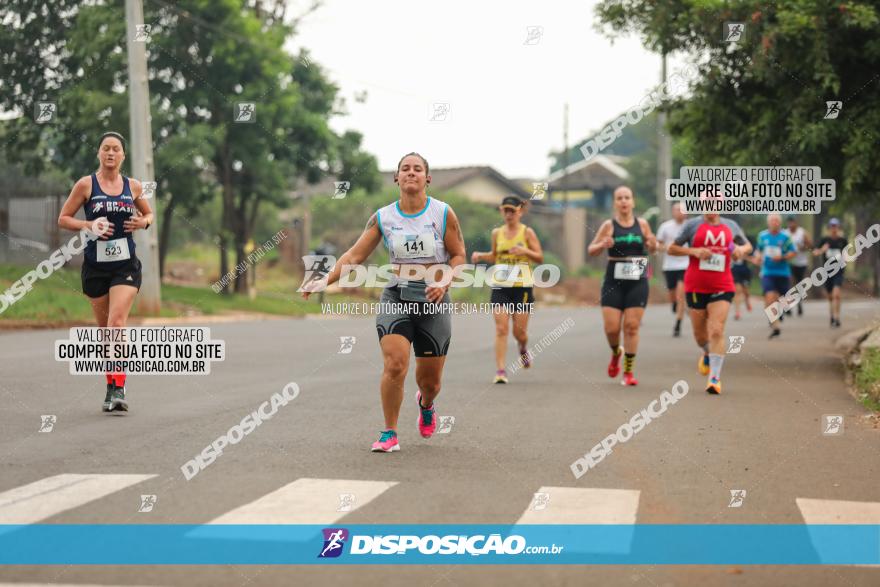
[763,435]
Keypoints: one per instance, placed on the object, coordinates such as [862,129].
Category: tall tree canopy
[205,58]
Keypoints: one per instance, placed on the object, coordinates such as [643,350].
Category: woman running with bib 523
[111,272]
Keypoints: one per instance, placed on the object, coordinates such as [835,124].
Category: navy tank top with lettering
[117,209]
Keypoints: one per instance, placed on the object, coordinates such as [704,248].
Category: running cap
[834,222]
[790,218]
[511,202]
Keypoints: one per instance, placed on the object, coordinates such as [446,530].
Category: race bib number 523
[115,250]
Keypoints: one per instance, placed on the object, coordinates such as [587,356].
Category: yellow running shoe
[703,365]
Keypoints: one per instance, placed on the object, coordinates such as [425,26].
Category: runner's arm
[792,251]
[146,213]
[78,196]
[357,253]
[453,240]
[477,257]
[533,248]
[679,248]
[602,240]
[650,239]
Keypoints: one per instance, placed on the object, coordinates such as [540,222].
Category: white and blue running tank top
[415,238]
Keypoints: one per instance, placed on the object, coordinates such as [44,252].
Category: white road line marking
[47,497]
[834,511]
[307,501]
[575,505]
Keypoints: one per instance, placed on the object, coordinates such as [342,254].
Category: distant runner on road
[832,245]
[515,247]
[673,266]
[708,283]
[799,264]
[774,250]
[628,241]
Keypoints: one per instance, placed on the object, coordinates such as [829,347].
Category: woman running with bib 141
[111,273]
[418,231]
[514,247]
[625,288]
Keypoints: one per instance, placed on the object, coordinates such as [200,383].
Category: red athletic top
[711,275]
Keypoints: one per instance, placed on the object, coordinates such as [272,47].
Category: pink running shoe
[427,418]
[387,442]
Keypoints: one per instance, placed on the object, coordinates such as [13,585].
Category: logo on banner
[334,540]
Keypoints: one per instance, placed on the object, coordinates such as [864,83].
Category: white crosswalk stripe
[833,511]
[307,501]
[47,497]
[574,505]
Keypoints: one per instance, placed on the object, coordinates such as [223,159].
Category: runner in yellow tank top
[515,247]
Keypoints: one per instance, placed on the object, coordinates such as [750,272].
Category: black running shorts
[97,281]
[426,325]
[699,301]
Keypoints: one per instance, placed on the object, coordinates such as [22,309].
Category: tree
[205,59]
[762,101]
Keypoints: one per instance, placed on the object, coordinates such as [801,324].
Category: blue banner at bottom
[641,544]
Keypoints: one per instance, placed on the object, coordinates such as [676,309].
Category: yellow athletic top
[503,258]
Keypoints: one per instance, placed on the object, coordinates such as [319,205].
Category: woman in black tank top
[111,273]
[628,241]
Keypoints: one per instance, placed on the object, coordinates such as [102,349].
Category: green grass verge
[59,298]
[868,379]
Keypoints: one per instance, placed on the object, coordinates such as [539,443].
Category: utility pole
[565,154]
[149,300]
[664,154]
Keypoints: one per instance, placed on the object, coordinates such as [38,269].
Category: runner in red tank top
[711,242]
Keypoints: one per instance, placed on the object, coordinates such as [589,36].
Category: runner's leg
[502,327]
[395,358]
[611,317]
[429,371]
[520,330]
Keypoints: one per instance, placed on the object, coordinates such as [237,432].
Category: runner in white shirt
[802,243]
[673,267]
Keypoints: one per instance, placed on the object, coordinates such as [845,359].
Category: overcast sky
[505,97]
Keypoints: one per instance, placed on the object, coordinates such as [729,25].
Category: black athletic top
[117,209]
[628,241]
[835,245]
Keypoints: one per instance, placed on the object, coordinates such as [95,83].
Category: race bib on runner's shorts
[631,270]
[411,246]
[114,250]
[713,263]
